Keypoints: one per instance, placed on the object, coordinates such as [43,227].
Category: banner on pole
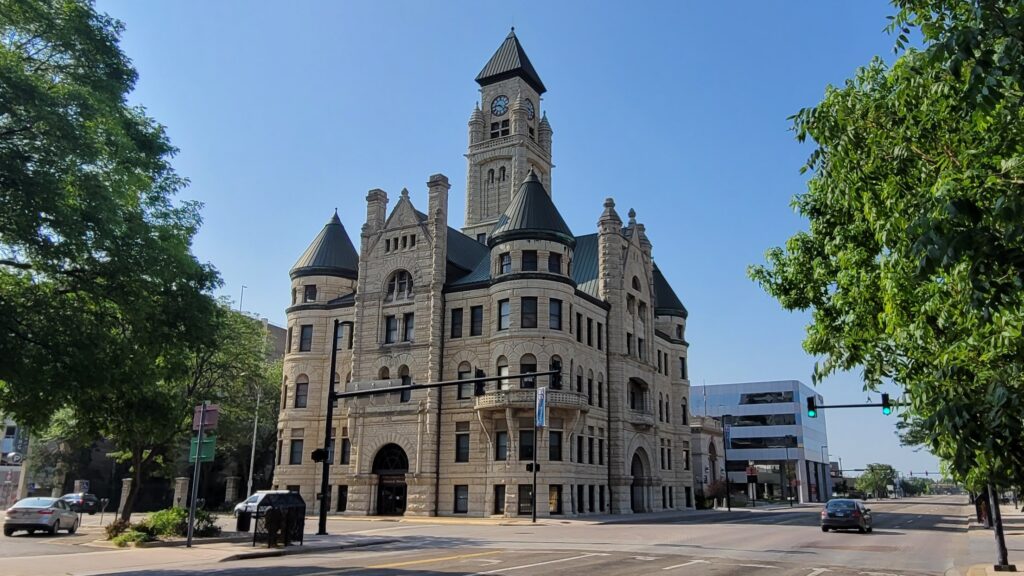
[542,407]
[209,417]
[208,451]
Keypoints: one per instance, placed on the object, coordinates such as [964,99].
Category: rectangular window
[280,449]
[461,499]
[409,324]
[579,327]
[529,260]
[528,313]
[346,450]
[555,314]
[763,420]
[760,397]
[590,391]
[504,263]
[526,445]
[390,329]
[342,499]
[481,238]
[295,452]
[501,445]
[306,338]
[579,499]
[555,263]
[476,320]
[288,348]
[682,374]
[412,241]
[590,331]
[629,344]
[579,449]
[301,394]
[600,336]
[462,447]
[641,350]
[503,314]
[601,494]
[659,361]
[457,323]
[466,388]
[600,451]
[330,447]
[555,445]
[555,498]
[590,498]
[309,293]
[590,450]
[503,383]
[499,498]
[525,499]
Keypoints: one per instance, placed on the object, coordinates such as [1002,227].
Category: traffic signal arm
[393,389]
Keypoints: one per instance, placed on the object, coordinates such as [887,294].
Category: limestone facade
[512,292]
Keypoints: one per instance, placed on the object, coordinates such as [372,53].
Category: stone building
[515,291]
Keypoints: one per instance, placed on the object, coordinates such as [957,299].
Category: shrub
[206,524]
[169,522]
[115,528]
[143,527]
[132,537]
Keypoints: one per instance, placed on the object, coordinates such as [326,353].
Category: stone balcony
[525,398]
[641,415]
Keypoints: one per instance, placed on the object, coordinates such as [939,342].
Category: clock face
[530,111]
[500,105]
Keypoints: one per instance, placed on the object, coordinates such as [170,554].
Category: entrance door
[391,495]
[637,488]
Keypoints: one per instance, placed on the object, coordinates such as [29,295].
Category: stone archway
[390,465]
[713,461]
[640,469]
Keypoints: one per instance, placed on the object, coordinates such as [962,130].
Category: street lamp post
[255,424]
[789,489]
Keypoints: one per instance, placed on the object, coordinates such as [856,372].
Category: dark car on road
[846,514]
[82,502]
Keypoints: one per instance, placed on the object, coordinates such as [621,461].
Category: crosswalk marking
[511,568]
[690,563]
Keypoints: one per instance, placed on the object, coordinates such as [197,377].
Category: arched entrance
[638,489]
[390,466]
[713,460]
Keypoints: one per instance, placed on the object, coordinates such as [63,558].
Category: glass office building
[767,428]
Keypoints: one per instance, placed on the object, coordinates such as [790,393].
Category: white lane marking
[757,566]
[385,529]
[878,574]
[488,561]
[690,563]
[816,571]
[644,558]
[510,568]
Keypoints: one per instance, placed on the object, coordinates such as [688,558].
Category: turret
[609,244]
[520,121]
[544,133]
[376,211]
[477,126]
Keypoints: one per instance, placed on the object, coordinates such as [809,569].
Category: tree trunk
[997,527]
[133,490]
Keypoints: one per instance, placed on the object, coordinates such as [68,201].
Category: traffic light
[886,406]
[478,386]
[556,379]
[812,407]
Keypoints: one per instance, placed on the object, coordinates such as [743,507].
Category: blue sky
[675,109]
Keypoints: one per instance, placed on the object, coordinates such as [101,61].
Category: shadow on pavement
[811,517]
[296,571]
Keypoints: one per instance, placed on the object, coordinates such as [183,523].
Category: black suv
[82,502]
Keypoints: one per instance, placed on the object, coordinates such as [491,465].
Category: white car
[49,514]
[250,503]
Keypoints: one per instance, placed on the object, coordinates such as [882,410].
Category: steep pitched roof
[585,265]
[510,60]
[531,214]
[330,254]
[464,252]
[668,304]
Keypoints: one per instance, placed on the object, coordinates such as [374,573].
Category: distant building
[766,425]
[708,460]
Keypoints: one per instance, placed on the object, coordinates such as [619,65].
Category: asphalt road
[41,544]
[911,537]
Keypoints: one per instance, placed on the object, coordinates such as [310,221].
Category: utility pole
[331,395]
[255,424]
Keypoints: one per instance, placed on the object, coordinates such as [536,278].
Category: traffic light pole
[326,464]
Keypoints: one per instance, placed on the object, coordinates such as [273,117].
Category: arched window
[685,412]
[579,379]
[403,373]
[636,283]
[600,390]
[490,176]
[503,371]
[630,304]
[528,365]
[301,391]
[661,407]
[590,387]
[384,373]
[501,174]
[399,286]
[556,364]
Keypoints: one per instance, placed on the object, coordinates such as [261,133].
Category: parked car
[49,514]
[82,502]
[250,503]
[844,513]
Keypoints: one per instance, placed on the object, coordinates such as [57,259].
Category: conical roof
[666,301]
[531,215]
[510,60]
[330,254]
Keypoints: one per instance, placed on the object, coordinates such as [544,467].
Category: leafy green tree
[876,479]
[101,299]
[912,263]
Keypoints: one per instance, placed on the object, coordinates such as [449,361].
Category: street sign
[209,448]
[85,486]
[542,407]
[209,418]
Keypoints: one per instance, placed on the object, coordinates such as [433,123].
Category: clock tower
[508,136]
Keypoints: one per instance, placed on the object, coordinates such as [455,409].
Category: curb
[270,553]
[195,541]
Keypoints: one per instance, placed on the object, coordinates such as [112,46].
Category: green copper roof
[330,254]
[666,301]
[586,264]
[531,215]
[510,60]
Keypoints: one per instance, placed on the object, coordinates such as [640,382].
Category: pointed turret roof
[666,301]
[510,60]
[330,254]
[531,215]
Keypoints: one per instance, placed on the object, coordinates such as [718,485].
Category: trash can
[243,521]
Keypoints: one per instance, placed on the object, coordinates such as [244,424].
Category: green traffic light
[812,413]
[886,410]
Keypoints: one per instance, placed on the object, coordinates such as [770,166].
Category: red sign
[209,417]
[751,471]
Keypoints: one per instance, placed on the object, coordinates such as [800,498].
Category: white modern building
[767,427]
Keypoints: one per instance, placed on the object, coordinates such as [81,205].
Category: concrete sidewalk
[983,539]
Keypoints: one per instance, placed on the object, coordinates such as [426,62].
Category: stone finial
[477,116]
[405,193]
[632,217]
[609,202]
[610,215]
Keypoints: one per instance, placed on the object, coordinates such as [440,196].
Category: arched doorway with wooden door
[390,465]
[640,470]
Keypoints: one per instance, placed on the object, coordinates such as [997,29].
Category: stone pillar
[180,492]
[56,492]
[231,488]
[126,487]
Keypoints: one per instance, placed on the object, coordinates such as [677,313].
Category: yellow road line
[429,560]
